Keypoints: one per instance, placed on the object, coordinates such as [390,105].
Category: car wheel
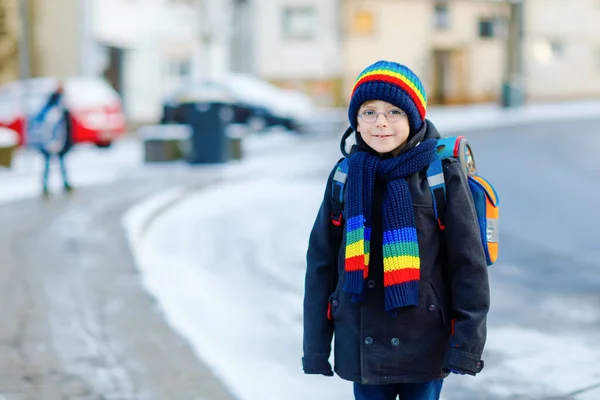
[103,145]
[256,124]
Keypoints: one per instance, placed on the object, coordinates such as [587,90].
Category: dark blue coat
[62,130]
[447,329]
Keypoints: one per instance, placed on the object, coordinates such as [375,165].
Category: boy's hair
[393,83]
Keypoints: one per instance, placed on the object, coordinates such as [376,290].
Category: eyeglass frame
[384,113]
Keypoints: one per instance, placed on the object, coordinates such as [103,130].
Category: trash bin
[512,95]
[163,143]
[8,144]
[208,122]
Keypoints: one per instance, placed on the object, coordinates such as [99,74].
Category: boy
[406,297]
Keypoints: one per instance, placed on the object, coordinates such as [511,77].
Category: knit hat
[393,83]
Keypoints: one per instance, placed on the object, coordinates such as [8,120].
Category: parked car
[256,103]
[96,108]
[243,113]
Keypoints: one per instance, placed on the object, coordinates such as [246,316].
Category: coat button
[335,303]
[368,340]
[395,342]
[371,284]
[432,307]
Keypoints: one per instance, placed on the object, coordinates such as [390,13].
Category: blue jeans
[406,391]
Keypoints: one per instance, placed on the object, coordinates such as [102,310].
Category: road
[545,322]
[77,322]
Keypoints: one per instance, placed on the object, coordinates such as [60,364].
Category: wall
[572,69]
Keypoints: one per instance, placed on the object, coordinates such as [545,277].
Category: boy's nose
[381,120]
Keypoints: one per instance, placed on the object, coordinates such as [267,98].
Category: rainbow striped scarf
[401,262]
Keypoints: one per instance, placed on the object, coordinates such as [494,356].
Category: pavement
[78,322]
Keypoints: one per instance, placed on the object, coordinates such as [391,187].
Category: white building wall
[562,49]
[406,43]
[158,36]
[485,57]
[280,57]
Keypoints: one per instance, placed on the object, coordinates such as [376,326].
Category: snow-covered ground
[89,166]
[227,266]
[86,165]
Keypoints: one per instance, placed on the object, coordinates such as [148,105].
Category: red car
[95,107]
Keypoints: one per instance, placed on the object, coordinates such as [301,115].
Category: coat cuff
[317,365]
[457,359]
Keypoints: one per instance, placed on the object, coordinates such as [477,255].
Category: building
[34,43]
[457,47]
[460,48]
[145,49]
[9,41]
[562,49]
[296,44]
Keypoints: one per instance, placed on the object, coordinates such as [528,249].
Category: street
[544,324]
[82,322]
[78,323]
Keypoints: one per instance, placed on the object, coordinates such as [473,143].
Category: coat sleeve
[467,275]
[321,278]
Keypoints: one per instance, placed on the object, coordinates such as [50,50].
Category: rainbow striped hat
[394,83]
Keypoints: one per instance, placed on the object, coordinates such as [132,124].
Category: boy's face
[388,132]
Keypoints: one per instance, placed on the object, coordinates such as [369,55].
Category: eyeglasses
[371,116]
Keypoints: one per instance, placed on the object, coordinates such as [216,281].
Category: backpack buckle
[336,221]
[441,224]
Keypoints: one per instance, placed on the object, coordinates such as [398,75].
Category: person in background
[54,122]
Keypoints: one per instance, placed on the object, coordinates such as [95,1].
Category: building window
[363,23]
[546,51]
[299,23]
[487,28]
[442,15]
[180,68]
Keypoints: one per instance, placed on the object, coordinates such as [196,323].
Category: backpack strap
[337,218]
[437,186]
[337,192]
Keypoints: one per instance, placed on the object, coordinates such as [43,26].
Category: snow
[86,166]
[253,337]
[8,137]
[227,266]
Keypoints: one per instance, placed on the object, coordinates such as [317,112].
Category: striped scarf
[401,262]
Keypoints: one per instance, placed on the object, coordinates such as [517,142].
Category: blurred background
[194,140]
[464,51]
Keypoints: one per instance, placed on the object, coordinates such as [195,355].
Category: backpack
[484,195]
